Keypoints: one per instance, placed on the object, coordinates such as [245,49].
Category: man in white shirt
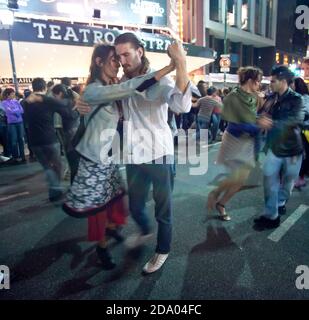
[148,115]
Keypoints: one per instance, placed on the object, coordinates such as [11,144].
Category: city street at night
[49,257]
[155,154]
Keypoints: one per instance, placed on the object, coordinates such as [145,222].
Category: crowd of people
[85,125]
[14,128]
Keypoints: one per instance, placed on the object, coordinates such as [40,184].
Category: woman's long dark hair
[101,51]
[61,88]
[300,86]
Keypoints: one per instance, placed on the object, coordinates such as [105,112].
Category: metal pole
[12,59]
[225,35]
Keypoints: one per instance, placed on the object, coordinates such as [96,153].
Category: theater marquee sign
[64,33]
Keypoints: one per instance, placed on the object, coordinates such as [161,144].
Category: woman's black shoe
[105,258]
[113,233]
[266,223]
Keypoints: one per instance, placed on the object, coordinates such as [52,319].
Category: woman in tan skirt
[238,148]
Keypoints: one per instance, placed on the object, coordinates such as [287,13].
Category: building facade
[291,42]
[251,25]
[55,38]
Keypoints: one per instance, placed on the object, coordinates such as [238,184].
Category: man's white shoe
[155,263]
[4,159]
[137,240]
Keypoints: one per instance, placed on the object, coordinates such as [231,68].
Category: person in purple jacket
[14,111]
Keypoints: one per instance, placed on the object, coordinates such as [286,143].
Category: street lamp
[6,22]
[225,35]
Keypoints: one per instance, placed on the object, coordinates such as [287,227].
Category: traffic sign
[225,62]
[224,69]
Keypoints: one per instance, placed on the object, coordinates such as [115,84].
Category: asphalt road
[49,256]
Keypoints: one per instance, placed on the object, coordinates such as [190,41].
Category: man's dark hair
[283,73]
[38,84]
[211,91]
[66,81]
[129,37]
[201,86]
[27,93]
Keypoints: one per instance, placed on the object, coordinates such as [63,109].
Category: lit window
[285,59]
[245,14]
[232,12]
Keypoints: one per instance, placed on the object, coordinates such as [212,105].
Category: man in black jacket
[39,114]
[284,142]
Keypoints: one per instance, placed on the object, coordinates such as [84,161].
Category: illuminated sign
[111,11]
[6,81]
[298,72]
[148,8]
[41,31]
[65,33]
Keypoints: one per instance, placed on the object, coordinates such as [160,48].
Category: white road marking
[215,144]
[288,223]
[14,196]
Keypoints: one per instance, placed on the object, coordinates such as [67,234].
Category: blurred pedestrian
[237,151]
[39,114]
[70,125]
[301,88]
[14,113]
[284,147]
[27,92]
[5,156]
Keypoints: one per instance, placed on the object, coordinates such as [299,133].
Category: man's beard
[132,72]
